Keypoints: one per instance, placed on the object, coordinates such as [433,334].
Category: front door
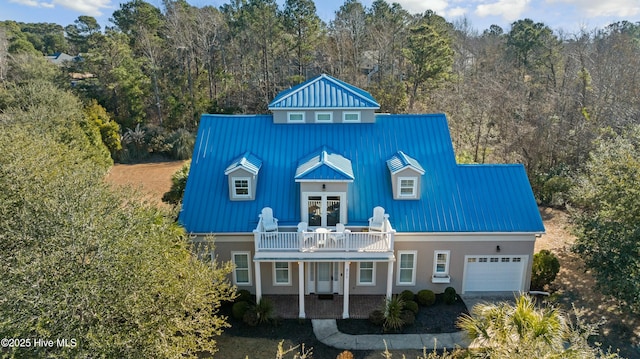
[324,278]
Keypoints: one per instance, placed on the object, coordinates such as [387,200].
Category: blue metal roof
[324,91]
[325,165]
[454,198]
[247,161]
[400,161]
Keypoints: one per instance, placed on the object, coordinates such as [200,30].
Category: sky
[569,16]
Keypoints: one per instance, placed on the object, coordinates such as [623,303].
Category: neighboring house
[59,58]
[325,196]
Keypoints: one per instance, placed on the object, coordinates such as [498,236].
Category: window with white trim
[441,263]
[295,117]
[241,187]
[351,117]
[325,117]
[407,187]
[407,267]
[241,268]
[281,273]
[366,273]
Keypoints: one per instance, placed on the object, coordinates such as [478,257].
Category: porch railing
[331,241]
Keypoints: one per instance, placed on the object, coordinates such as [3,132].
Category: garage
[483,273]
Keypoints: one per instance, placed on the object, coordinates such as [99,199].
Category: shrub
[345,355]
[450,295]
[426,297]
[407,295]
[182,142]
[544,270]
[243,296]
[393,313]
[264,310]
[178,184]
[376,317]
[239,309]
[412,306]
[408,317]
[251,317]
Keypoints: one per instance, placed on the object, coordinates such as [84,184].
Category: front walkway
[360,306]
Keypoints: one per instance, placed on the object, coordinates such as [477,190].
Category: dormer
[324,100]
[406,174]
[242,174]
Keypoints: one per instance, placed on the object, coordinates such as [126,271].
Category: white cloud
[420,6]
[597,8]
[85,7]
[509,10]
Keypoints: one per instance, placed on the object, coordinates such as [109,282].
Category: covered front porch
[325,306]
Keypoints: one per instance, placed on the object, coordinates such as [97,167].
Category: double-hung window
[281,273]
[366,273]
[407,267]
[407,187]
[241,187]
[241,271]
[441,266]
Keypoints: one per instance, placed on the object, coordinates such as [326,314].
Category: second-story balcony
[377,237]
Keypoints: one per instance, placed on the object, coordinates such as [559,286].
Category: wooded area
[526,94]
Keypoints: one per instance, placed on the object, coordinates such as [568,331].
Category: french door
[324,209]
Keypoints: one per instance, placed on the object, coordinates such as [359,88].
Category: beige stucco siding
[458,245]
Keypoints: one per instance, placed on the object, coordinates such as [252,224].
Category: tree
[429,53]
[523,330]
[304,26]
[607,216]
[84,263]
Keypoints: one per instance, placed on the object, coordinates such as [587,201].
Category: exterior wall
[424,244]
[407,172]
[366,115]
[242,173]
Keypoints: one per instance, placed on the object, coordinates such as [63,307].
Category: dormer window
[241,187]
[406,173]
[408,187]
[324,117]
[295,117]
[351,116]
[243,177]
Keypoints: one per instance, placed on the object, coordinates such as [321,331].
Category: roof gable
[326,165]
[324,92]
[400,161]
[247,161]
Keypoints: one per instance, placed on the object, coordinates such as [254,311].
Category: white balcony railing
[346,241]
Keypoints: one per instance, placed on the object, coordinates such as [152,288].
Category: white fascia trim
[322,108]
[324,181]
[462,237]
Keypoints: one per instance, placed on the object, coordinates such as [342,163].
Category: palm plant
[393,313]
[521,330]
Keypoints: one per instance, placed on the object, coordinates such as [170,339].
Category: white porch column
[389,279]
[301,289]
[258,282]
[345,300]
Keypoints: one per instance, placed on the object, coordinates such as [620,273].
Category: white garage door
[494,273]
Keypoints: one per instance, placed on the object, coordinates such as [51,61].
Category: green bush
[393,314]
[182,142]
[239,309]
[377,317]
[264,310]
[178,184]
[408,317]
[251,317]
[407,295]
[544,270]
[243,296]
[450,295]
[426,297]
[412,306]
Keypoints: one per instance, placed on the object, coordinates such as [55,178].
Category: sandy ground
[574,285]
